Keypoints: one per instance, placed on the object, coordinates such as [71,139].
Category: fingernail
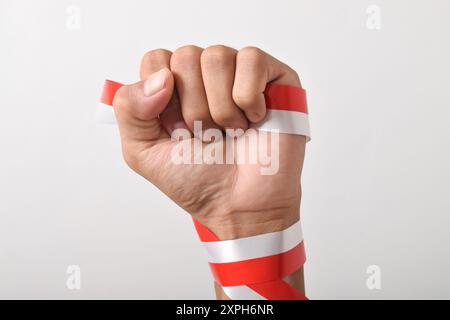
[155,83]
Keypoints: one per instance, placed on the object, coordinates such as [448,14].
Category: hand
[223,88]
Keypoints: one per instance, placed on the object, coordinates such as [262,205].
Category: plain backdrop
[376,178]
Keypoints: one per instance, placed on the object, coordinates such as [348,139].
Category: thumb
[137,107]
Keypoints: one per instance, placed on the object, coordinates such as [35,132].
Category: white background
[376,179]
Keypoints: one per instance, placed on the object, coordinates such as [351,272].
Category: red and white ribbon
[253,267]
[105,114]
[263,245]
[287,110]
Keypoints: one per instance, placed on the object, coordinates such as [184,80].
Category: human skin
[223,88]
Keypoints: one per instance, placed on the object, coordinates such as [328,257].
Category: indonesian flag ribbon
[287,110]
[252,268]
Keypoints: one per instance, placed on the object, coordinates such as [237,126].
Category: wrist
[237,231]
[251,223]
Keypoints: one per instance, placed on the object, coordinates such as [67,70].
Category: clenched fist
[223,88]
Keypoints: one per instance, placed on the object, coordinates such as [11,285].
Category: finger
[137,107]
[185,66]
[153,61]
[254,70]
[218,64]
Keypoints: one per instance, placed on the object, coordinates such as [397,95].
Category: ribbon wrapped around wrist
[252,268]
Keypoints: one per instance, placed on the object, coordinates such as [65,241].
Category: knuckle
[292,74]
[217,55]
[252,54]
[155,57]
[186,56]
